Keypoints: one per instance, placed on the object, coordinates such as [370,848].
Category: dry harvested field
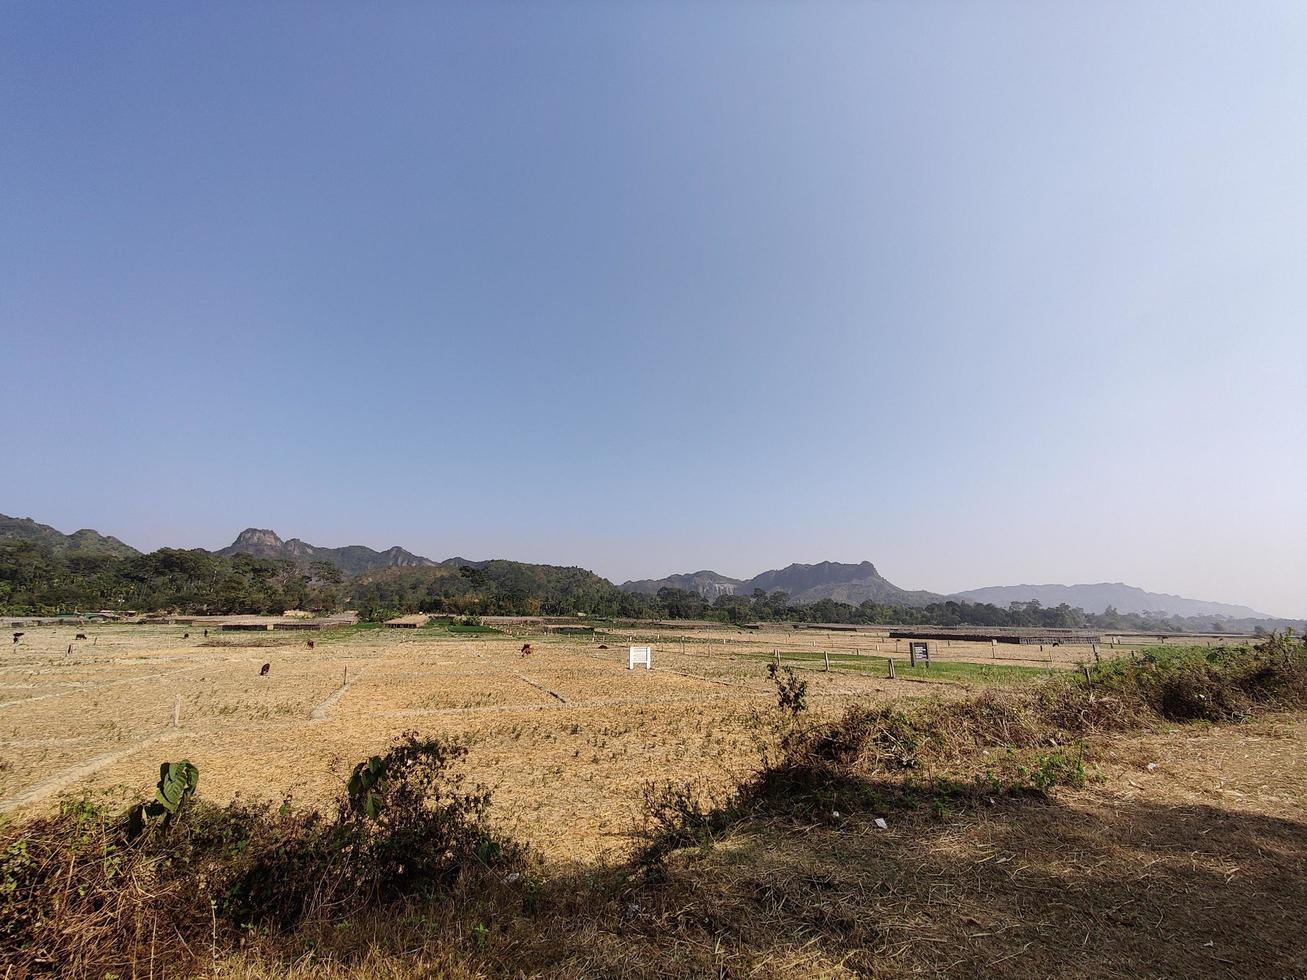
[1181,854]
[565,739]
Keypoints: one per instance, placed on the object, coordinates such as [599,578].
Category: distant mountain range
[861,583]
[1096,598]
[710,585]
[353,559]
[83,542]
[803,583]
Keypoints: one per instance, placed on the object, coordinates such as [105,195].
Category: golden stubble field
[565,739]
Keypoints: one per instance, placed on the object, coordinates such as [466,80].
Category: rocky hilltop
[804,583]
[352,559]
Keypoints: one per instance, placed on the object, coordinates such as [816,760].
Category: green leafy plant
[366,787]
[176,786]
[172,794]
[1061,767]
[481,935]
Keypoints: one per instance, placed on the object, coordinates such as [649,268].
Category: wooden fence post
[826,654]
[890,661]
[177,711]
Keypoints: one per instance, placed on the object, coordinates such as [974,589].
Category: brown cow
[264,671]
[527,649]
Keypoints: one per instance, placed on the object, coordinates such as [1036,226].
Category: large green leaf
[177,782]
[364,787]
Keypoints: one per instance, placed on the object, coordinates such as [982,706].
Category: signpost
[919,653]
[640,655]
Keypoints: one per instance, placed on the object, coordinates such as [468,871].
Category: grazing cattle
[603,646]
[17,637]
[206,632]
[80,636]
[186,636]
[310,644]
[264,671]
[527,649]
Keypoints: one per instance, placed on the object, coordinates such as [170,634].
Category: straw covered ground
[1144,817]
[564,738]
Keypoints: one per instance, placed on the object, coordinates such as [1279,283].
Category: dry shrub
[676,815]
[874,755]
[81,894]
[1221,684]
[78,898]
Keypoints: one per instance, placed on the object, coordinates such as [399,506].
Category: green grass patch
[954,671]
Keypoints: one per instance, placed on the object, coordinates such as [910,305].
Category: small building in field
[416,621]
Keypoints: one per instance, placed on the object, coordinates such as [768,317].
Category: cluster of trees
[36,579]
[494,588]
[777,607]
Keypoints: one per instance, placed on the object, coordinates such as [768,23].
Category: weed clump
[1032,738]
[791,693]
[1220,684]
[89,892]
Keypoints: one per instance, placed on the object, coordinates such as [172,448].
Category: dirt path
[321,710]
[62,780]
[79,686]
[541,687]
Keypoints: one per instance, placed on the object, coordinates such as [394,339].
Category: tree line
[37,580]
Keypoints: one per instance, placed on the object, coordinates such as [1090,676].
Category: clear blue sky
[984,292]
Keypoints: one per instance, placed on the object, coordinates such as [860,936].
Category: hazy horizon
[984,294]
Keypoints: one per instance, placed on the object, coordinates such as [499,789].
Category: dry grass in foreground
[1025,835]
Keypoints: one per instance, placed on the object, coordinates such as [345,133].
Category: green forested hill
[83,542]
[37,580]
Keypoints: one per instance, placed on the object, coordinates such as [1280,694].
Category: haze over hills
[83,542]
[706,583]
[1096,598]
[804,583]
[860,583]
[352,559]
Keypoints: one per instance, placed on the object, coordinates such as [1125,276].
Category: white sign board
[640,655]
